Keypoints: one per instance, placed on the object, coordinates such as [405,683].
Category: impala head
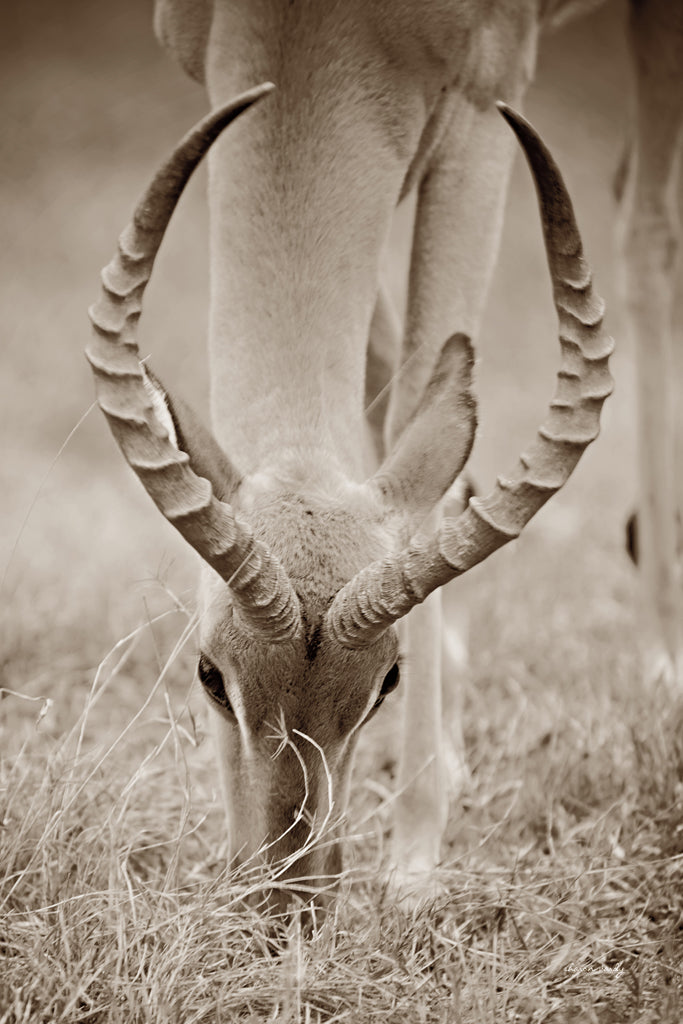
[287,712]
[306,572]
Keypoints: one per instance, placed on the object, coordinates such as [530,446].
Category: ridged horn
[385,591]
[264,595]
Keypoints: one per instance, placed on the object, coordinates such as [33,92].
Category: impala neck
[301,197]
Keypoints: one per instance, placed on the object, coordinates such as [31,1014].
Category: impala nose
[305,887]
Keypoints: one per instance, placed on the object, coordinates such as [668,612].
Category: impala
[315,548]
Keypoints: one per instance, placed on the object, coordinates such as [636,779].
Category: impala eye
[212,681]
[390,683]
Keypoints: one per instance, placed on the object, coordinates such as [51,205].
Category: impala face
[287,716]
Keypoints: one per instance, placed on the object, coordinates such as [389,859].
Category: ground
[562,878]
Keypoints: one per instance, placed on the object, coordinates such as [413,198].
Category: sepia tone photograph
[374,712]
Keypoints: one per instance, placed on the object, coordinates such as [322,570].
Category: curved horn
[264,595]
[385,591]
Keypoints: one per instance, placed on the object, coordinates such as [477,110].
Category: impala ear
[188,433]
[436,443]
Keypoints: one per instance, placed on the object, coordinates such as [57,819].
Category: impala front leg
[421,810]
[457,234]
[432,762]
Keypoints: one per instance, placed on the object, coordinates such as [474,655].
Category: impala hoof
[414,883]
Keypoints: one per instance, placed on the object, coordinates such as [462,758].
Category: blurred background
[89,105]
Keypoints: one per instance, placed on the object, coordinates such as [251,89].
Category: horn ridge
[265,598]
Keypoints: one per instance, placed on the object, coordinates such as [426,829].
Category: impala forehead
[320,542]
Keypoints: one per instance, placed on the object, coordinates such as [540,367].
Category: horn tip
[516,121]
[259,91]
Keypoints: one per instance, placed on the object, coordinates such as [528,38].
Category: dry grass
[561,889]
[561,894]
